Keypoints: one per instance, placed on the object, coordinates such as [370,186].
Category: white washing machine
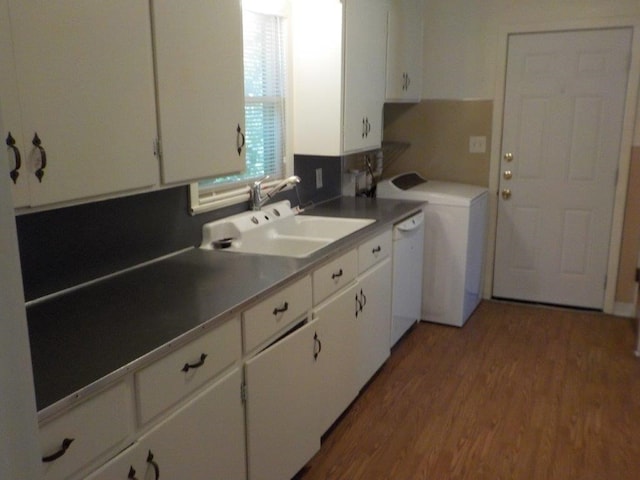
[454,243]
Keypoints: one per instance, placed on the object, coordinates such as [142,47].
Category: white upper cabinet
[339,75]
[80,76]
[200,88]
[404,51]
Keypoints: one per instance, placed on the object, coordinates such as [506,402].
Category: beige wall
[438,132]
[626,286]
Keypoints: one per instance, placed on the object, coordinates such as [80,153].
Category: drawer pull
[132,474]
[63,449]
[154,464]
[43,157]
[336,275]
[188,366]
[378,249]
[282,309]
[11,143]
[316,343]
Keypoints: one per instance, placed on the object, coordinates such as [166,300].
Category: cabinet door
[364,63]
[404,51]
[336,361]
[84,72]
[374,320]
[204,440]
[317,44]
[200,83]
[11,113]
[282,431]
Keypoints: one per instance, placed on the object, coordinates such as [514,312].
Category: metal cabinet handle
[361,301]
[336,275]
[66,443]
[11,143]
[154,464]
[406,81]
[377,249]
[318,343]
[240,140]
[43,156]
[282,309]
[188,366]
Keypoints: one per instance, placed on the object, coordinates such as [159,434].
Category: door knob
[508,157]
[506,193]
[507,174]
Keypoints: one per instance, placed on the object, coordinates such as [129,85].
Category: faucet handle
[257,183]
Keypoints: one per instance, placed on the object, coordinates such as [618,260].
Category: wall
[461,37]
[626,288]
[461,61]
[65,247]
[438,132]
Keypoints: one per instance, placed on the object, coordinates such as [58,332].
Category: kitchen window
[265,84]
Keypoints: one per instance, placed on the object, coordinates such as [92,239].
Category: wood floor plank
[521,392]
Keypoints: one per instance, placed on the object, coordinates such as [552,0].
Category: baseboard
[624,309]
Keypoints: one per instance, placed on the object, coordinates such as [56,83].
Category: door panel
[564,105]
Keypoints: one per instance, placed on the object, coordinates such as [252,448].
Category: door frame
[628,125]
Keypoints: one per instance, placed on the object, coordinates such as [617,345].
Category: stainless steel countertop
[89,337]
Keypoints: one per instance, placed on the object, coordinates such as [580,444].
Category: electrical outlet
[477,144]
[318,178]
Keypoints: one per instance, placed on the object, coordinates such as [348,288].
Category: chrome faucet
[256,199]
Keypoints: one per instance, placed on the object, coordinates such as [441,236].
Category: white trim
[625,142]
[215,200]
[624,309]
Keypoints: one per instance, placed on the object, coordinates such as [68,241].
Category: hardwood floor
[521,392]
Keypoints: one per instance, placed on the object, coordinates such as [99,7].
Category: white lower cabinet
[202,440]
[374,320]
[71,442]
[309,348]
[336,363]
[299,385]
[282,432]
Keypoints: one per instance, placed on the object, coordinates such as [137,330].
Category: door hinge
[157,148]
[243,392]
[638,275]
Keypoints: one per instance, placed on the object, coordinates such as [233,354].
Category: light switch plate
[477,144]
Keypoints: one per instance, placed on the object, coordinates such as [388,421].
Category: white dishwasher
[408,252]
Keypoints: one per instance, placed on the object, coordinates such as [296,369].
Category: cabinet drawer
[93,427]
[334,275]
[165,382]
[275,313]
[374,250]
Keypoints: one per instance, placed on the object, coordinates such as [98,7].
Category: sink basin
[277,230]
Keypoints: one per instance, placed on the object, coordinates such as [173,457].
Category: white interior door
[564,106]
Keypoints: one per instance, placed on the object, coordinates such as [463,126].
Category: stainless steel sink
[277,230]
